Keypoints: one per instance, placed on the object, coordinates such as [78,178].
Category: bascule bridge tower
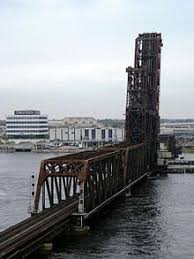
[143,90]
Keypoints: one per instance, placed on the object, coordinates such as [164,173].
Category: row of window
[28,137]
[27,122]
[93,133]
[103,133]
[27,127]
[27,131]
[27,117]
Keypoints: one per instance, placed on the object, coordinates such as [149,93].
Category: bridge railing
[104,178]
[61,177]
[133,159]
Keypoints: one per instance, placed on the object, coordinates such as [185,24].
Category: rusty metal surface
[104,172]
[122,146]
[143,89]
[81,155]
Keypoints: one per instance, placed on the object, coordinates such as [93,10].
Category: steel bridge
[72,189]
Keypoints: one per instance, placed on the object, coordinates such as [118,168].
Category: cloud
[52,73]
[48,44]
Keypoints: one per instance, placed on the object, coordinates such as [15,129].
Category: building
[85,130]
[182,130]
[2,131]
[87,135]
[27,125]
[78,122]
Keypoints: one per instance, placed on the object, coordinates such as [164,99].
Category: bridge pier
[80,226]
[81,203]
[128,190]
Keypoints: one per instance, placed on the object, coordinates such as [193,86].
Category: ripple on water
[155,222]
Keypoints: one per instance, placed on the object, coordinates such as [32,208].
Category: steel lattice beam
[143,89]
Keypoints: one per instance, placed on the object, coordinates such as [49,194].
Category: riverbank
[188,150]
[24,148]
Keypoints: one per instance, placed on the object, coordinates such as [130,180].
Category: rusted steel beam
[143,90]
[103,172]
[41,179]
[86,155]
[114,196]
[93,157]
[121,146]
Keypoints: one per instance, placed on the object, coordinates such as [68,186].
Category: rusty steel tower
[143,90]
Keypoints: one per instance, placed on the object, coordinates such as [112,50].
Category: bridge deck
[25,237]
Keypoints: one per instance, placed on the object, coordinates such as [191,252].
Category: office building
[27,125]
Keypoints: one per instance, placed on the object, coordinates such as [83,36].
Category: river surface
[157,221]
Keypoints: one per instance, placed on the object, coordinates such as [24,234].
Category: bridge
[72,189]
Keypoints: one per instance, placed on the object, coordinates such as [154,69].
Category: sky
[68,58]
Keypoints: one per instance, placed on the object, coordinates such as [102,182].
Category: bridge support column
[128,191]
[81,228]
[81,204]
[31,206]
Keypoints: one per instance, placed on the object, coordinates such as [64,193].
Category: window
[103,135]
[86,133]
[110,133]
[93,133]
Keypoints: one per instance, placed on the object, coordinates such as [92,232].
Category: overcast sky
[68,57]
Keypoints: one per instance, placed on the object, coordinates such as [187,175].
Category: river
[155,222]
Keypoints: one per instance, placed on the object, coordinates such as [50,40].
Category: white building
[27,125]
[78,122]
[73,134]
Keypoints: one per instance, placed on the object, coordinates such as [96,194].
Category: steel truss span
[100,174]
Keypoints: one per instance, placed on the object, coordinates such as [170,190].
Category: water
[156,222]
[15,185]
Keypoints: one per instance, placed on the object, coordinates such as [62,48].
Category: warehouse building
[90,135]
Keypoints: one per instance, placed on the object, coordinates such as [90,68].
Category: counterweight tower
[143,90]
